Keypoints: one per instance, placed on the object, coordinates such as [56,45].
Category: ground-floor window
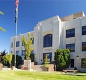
[82,62]
[49,55]
[72,63]
[23,52]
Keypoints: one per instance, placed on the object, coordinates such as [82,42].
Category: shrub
[32,57]
[75,68]
[7,58]
[62,58]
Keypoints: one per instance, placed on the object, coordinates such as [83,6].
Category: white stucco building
[54,33]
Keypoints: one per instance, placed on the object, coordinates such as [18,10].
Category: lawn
[27,75]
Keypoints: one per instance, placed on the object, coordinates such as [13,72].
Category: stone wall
[51,67]
[38,67]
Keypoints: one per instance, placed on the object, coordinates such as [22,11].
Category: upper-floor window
[23,52]
[83,46]
[11,52]
[17,43]
[12,45]
[33,41]
[70,33]
[47,42]
[17,52]
[83,30]
[71,47]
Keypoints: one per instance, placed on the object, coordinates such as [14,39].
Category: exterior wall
[43,28]
[57,28]
[20,48]
[78,39]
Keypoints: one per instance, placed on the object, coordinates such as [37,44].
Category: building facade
[55,33]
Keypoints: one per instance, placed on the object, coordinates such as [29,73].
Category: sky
[30,12]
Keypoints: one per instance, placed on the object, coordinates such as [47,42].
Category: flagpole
[16,32]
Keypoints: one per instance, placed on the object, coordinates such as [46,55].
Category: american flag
[16,3]
[16,10]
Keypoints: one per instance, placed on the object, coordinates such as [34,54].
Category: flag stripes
[16,10]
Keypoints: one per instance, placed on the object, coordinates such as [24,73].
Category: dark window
[72,63]
[83,46]
[12,45]
[71,47]
[32,52]
[47,40]
[17,44]
[23,52]
[17,52]
[83,30]
[32,40]
[82,62]
[70,33]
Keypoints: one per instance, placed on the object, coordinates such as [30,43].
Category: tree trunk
[10,65]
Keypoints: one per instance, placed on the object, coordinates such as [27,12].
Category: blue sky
[30,13]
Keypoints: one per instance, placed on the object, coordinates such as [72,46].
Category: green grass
[27,75]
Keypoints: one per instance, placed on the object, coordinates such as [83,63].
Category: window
[17,52]
[83,46]
[32,52]
[82,62]
[72,63]
[11,51]
[71,47]
[23,52]
[33,41]
[12,45]
[70,33]
[17,44]
[47,42]
[83,30]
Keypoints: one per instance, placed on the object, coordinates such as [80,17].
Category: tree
[18,60]
[1,27]
[46,62]
[62,58]
[84,63]
[7,58]
[27,45]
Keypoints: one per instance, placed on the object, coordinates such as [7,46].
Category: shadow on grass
[72,74]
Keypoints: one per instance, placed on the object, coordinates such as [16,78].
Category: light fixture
[77,56]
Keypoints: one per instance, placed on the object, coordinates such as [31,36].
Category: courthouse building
[54,33]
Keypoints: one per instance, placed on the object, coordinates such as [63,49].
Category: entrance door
[49,56]
[72,63]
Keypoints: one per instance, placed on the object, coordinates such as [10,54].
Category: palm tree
[1,27]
